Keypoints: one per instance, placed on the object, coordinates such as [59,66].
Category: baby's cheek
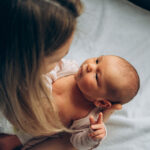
[86,84]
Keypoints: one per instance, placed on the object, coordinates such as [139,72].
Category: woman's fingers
[116,107]
[113,108]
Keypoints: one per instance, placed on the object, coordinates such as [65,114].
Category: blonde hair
[29,31]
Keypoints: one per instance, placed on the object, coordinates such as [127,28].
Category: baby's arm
[90,138]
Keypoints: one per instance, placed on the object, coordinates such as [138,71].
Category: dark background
[142,3]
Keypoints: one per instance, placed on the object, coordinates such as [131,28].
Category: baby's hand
[99,131]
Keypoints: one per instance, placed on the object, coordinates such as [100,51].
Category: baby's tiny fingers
[100,118]
[98,132]
[92,121]
[97,126]
[99,137]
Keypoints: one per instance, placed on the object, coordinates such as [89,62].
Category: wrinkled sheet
[120,28]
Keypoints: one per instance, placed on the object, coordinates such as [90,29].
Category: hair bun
[74,6]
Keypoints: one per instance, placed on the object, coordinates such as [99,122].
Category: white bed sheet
[120,28]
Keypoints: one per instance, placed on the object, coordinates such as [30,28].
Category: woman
[34,36]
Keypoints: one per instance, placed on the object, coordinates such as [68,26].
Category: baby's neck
[80,103]
[71,98]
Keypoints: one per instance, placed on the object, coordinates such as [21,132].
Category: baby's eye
[96,61]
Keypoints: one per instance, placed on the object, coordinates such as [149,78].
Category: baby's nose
[90,67]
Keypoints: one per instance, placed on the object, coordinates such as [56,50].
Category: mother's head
[32,34]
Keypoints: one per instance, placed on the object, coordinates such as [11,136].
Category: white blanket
[118,27]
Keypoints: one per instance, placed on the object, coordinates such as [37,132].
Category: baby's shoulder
[63,83]
[65,112]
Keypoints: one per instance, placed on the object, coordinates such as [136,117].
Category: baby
[99,82]
[107,79]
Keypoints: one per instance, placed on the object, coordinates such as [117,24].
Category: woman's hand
[108,112]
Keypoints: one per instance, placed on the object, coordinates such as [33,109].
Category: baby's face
[95,74]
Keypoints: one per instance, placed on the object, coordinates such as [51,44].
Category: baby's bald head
[123,80]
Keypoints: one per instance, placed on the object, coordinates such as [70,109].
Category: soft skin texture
[76,95]
[68,98]
[94,74]
[95,84]
[107,78]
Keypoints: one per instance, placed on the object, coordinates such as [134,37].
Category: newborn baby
[102,82]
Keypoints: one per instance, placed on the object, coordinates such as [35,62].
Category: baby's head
[107,80]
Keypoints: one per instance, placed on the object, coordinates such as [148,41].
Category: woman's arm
[9,142]
[108,112]
[55,144]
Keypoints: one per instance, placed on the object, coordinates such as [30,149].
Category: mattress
[117,27]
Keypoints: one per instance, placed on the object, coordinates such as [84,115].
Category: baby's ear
[104,104]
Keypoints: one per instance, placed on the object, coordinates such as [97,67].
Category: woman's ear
[104,104]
